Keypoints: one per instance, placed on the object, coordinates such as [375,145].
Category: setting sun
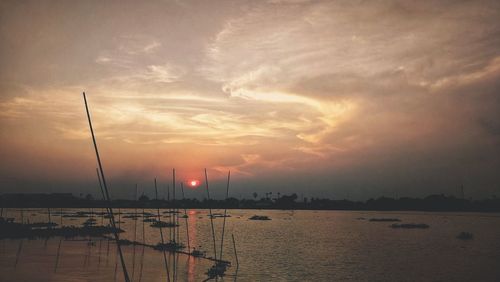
[194,183]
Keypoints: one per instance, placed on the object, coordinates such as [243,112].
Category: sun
[194,183]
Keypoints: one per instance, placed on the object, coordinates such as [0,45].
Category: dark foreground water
[293,246]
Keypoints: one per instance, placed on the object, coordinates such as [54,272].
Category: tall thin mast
[172,214]
[103,197]
[210,214]
[115,233]
[186,218]
[225,214]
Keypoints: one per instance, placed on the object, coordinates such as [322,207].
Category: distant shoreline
[260,209]
[432,203]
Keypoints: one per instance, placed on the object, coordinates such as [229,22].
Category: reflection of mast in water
[191,267]
[142,262]
[58,254]
[86,261]
[174,266]
[236,274]
[161,234]
[60,241]
[174,256]
[99,255]
[107,253]
[19,252]
[116,263]
[235,253]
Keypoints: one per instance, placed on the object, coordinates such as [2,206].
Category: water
[293,246]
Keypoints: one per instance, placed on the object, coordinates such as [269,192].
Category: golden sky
[327,98]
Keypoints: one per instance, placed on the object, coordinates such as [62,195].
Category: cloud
[281,92]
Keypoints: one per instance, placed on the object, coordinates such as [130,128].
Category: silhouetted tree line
[429,203]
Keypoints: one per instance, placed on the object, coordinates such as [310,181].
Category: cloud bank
[326,98]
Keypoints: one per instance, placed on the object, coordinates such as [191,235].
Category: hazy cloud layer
[326,98]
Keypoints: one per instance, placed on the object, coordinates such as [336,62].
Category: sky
[338,99]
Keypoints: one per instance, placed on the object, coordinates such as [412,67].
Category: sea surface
[292,246]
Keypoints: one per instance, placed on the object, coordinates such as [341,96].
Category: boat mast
[186,218]
[115,233]
[225,215]
[210,214]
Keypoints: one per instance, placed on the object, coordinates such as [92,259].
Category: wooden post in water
[210,214]
[115,233]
